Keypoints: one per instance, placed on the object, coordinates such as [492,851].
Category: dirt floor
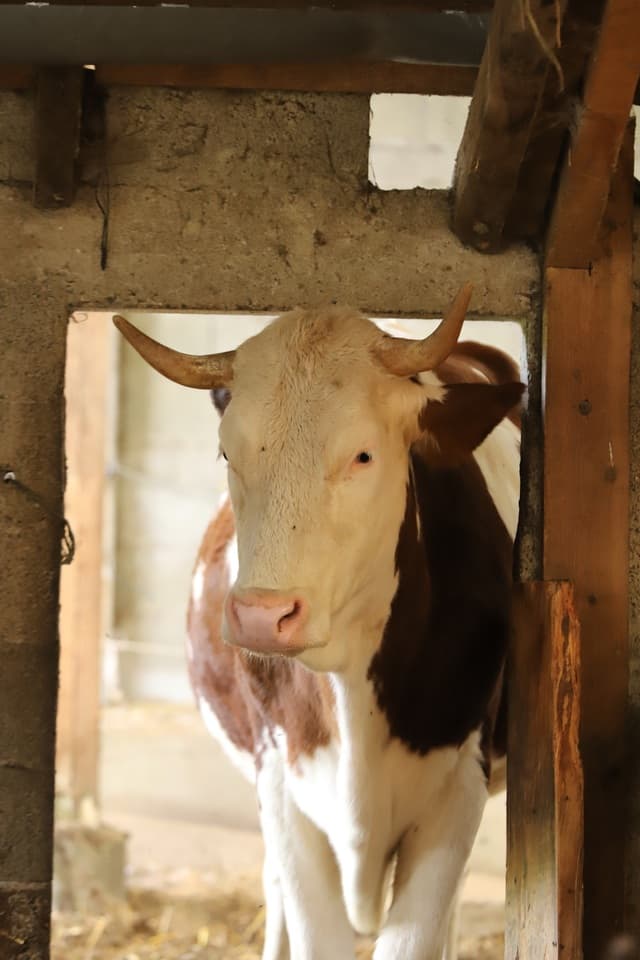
[162,926]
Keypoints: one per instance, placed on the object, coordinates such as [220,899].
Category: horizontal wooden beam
[467,6]
[52,34]
[517,60]
[595,143]
[354,77]
[544,774]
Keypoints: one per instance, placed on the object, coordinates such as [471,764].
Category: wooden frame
[544,778]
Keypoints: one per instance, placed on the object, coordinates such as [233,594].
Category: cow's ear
[466,415]
[220,398]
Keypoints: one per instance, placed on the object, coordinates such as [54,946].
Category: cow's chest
[364,795]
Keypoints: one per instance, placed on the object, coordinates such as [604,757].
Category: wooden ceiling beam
[592,156]
[343,77]
[467,6]
[519,57]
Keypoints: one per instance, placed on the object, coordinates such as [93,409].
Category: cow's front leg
[314,911]
[431,861]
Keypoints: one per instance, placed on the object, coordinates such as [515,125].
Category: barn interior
[219,161]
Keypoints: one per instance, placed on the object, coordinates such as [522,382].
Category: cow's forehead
[307,345]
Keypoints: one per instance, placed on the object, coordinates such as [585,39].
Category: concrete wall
[218,201]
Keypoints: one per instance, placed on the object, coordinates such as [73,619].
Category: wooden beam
[353,77]
[511,81]
[58,113]
[16,76]
[586,532]
[529,212]
[595,144]
[81,609]
[544,774]
[467,6]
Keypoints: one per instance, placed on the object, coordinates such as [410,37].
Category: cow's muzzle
[267,621]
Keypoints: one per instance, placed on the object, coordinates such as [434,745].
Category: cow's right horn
[408,357]
[205,372]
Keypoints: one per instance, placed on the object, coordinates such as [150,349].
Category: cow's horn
[205,373]
[407,357]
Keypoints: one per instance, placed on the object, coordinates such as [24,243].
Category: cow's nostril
[290,615]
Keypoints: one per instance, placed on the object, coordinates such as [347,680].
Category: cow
[350,613]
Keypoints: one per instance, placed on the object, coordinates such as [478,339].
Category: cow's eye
[364,457]
[223,454]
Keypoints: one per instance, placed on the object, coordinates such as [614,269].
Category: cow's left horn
[205,373]
[408,357]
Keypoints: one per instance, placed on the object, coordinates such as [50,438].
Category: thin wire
[68,540]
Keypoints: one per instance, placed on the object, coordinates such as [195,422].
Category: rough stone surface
[24,921]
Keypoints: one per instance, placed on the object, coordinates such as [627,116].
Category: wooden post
[58,113]
[544,774]
[586,507]
[86,384]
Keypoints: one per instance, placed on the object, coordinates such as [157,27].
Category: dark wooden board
[58,115]
[354,77]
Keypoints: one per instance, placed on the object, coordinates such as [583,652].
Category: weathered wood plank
[341,77]
[532,202]
[86,390]
[58,114]
[468,6]
[544,774]
[511,81]
[586,507]
[595,144]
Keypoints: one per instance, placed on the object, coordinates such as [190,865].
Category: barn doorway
[158,852]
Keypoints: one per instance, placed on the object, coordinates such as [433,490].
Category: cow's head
[320,411]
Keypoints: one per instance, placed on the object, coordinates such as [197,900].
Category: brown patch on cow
[437,672]
[471,362]
[465,417]
[250,695]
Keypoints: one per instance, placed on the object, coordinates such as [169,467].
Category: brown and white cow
[351,656]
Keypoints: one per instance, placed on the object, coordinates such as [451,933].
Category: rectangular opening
[134,756]
[414,140]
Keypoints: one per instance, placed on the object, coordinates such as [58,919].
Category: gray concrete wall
[218,201]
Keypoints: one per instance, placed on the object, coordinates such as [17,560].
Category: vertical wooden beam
[58,114]
[81,623]
[586,505]
[544,774]
[522,40]
[595,144]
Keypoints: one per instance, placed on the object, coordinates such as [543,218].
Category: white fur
[499,460]
[241,759]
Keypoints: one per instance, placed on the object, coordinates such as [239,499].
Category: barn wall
[218,201]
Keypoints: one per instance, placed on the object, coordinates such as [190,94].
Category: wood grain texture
[586,505]
[511,81]
[340,77]
[58,113]
[595,143]
[468,6]
[544,777]
[81,624]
